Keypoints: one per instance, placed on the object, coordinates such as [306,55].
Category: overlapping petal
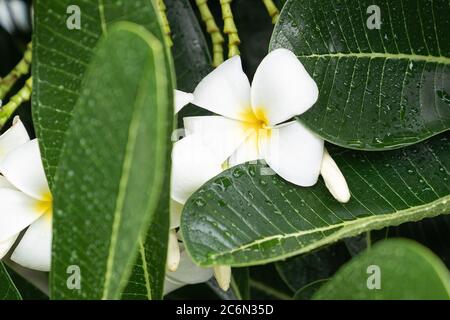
[181,99]
[35,247]
[7,244]
[220,135]
[294,153]
[13,138]
[23,168]
[225,91]
[192,165]
[247,151]
[282,87]
[17,211]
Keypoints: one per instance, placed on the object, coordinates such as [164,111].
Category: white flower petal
[192,165]
[225,91]
[222,136]
[282,88]
[334,179]
[294,153]
[175,209]
[35,248]
[23,168]
[181,99]
[247,151]
[13,138]
[7,244]
[187,273]
[17,211]
[5,183]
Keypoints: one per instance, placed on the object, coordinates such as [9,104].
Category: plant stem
[20,97]
[272,10]
[269,290]
[213,30]
[229,28]
[22,68]
[165,22]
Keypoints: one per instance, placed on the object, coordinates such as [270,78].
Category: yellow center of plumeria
[45,204]
[256,119]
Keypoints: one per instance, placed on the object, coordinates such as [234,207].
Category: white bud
[173,252]
[334,180]
[223,276]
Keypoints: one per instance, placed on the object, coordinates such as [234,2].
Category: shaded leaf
[302,270]
[379,88]
[240,283]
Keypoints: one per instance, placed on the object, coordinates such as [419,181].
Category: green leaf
[244,217]
[407,270]
[379,89]
[8,290]
[300,271]
[113,165]
[306,292]
[60,59]
[190,51]
[191,56]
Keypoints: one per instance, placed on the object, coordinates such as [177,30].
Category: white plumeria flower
[25,201]
[251,125]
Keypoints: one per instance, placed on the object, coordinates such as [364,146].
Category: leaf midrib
[383,55]
[349,228]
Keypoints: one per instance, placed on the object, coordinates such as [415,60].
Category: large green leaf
[381,88]
[243,217]
[192,62]
[8,290]
[60,59]
[406,270]
[112,171]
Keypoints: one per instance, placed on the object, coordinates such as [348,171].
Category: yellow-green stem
[217,39]
[20,97]
[21,69]
[229,28]
[165,22]
[272,10]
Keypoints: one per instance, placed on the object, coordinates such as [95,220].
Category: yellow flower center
[45,204]
[256,120]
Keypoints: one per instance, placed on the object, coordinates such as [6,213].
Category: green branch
[229,28]
[21,69]
[20,97]
[213,30]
